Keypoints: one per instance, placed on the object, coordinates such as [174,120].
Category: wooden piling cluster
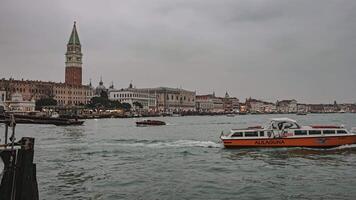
[19,175]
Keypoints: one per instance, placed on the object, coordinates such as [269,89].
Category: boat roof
[283,119]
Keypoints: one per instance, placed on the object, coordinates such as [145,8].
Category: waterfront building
[243,107]
[347,107]
[218,105]
[316,108]
[27,88]
[69,95]
[287,106]
[205,103]
[255,106]
[131,95]
[270,107]
[302,108]
[173,99]
[330,108]
[212,104]
[230,104]
[258,106]
[17,104]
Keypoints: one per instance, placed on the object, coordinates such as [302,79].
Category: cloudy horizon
[266,49]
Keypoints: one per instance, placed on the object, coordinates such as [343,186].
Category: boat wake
[139,143]
[351,146]
[168,144]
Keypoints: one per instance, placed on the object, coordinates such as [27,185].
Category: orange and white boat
[284,132]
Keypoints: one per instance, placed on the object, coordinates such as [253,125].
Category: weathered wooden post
[19,176]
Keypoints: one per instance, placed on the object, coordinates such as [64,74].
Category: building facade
[230,104]
[131,95]
[287,106]
[173,99]
[18,104]
[67,95]
[205,103]
[258,106]
[218,105]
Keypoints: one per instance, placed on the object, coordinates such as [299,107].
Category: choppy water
[114,159]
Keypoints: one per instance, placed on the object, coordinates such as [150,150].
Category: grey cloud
[262,48]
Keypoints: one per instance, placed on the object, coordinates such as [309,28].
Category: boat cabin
[284,127]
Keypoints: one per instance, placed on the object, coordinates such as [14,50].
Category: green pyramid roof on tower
[74,38]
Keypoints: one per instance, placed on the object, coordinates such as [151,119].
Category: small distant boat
[301,113]
[230,115]
[284,132]
[150,123]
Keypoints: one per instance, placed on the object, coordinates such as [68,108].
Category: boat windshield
[2,167]
[283,123]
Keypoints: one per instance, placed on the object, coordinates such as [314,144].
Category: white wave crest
[192,143]
[139,143]
[346,146]
[177,144]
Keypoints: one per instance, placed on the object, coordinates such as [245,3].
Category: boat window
[341,132]
[314,132]
[237,134]
[329,131]
[300,132]
[288,125]
[251,134]
[262,133]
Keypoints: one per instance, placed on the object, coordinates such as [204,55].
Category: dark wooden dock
[18,180]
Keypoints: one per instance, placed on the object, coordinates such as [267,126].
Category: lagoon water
[114,159]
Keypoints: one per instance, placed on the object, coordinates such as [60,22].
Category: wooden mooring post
[19,175]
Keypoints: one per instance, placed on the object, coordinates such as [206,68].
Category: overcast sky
[267,49]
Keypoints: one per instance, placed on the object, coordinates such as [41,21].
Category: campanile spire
[73,70]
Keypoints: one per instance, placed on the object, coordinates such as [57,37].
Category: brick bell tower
[73,72]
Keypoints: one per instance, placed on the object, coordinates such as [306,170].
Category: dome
[100,88]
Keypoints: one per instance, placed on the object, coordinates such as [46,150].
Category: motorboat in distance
[150,123]
[284,132]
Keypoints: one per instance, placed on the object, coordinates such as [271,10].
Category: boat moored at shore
[284,132]
[150,123]
[27,119]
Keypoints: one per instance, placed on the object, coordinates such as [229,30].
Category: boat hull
[150,123]
[313,142]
